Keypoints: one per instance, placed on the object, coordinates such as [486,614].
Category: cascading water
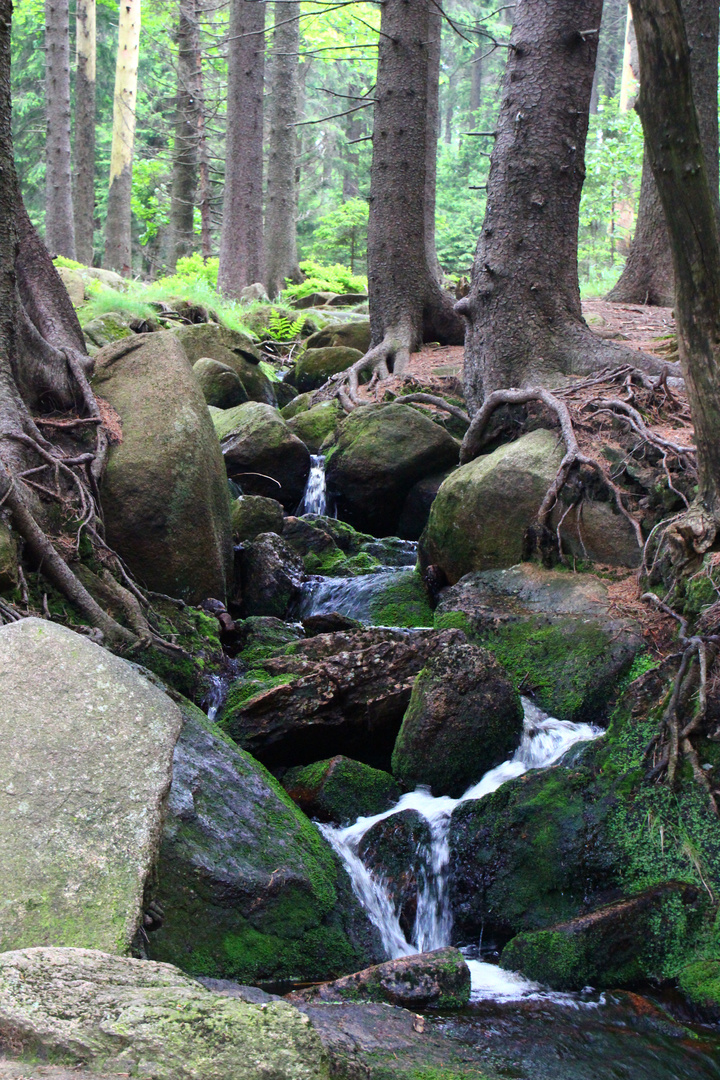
[315,497]
[545,740]
[351,596]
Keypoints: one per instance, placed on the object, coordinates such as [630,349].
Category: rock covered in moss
[315,366]
[164,496]
[402,602]
[251,515]
[431,980]
[257,444]
[397,850]
[86,764]
[342,693]
[124,1016]
[270,576]
[352,335]
[262,636]
[340,790]
[229,347]
[219,383]
[8,559]
[381,452]
[554,632]
[317,425]
[615,945]
[249,887]
[300,403]
[105,329]
[463,719]
[416,508]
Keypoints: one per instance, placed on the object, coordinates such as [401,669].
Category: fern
[281,329]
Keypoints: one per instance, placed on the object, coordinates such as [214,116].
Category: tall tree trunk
[204,192]
[84,178]
[648,274]
[433,131]
[185,150]
[476,73]
[241,240]
[525,324]
[281,205]
[118,224]
[59,226]
[407,305]
[354,129]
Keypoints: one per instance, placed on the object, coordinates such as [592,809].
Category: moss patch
[403,603]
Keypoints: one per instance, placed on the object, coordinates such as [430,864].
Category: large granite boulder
[464,718]
[315,366]
[219,383]
[315,425]
[352,335]
[555,633]
[251,515]
[257,444]
[86,748]
[249,888]
[382,451]
[229,347]
[433,980]
[270,576]
[128,1017]
[483,510]
[337,693]
[164,496]
[340,790]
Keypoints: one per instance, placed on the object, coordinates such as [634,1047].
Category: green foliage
[192,270]
[67,264]
[280,328]
[336,279]
[342,233]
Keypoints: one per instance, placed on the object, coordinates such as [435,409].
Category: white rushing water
[315,497]
[352,596]
[545,740]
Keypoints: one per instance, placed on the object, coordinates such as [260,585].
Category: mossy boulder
[270,576]
[262,636]
[123,1017]
[401,601]
[165,498]
[463,719]
[251,515]
[219,383]
[417,505]
[616,945]
[86,745]
[257,444]
[315,366]
[340,790]
[352,335]
[249,887]
[105,329]
[481,514]
[229,347]
[554,632]
[381,452]
[8,559]
[300,403]
[316,426]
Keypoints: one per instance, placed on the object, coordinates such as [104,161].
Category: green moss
[264,637]
[251,685]
[453,620]
[402,603]
[700,982]
[342,790]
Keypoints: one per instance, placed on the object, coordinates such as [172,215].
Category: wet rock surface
[398,850]
[270,576]
[345,693]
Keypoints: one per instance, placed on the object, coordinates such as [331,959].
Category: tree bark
[525,323]
[241,240]
[476,72]
[433,132]
[407,305]
[185,150]
[118,223]
[84,178]
[281,206]
[647,277]
[674,140]
[59,226]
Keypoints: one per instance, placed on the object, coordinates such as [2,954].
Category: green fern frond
[281,329]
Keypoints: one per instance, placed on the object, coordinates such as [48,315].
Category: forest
[359,539]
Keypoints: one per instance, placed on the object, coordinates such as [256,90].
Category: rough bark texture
[525,324]
[407,305]
[185,149]
[433,131]
[675,148]
[648,274]
[118,236]
[281,207]
[84,163]
[59,227]
[241,239]
[204,192]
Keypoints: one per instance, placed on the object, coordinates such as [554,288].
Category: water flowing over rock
[164,496]
[315,497]
[86,748]
[131,1017]
[248,887]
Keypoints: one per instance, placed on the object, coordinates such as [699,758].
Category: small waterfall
[215,697]
[544,742]
[351,596]
[315,497]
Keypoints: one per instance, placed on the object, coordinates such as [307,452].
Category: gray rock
[85,767]
[315,366]
[252,515]
[353,335]
[219,383]
[270,576]
[254,293]
[73,282]
[257,443]
[136,1018]
[229,347]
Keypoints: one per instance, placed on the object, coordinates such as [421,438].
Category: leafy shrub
[337,279]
